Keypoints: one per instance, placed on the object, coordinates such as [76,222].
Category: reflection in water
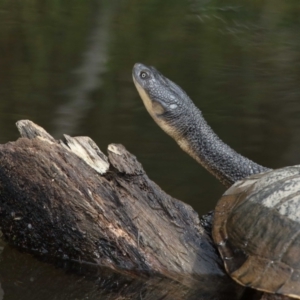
[88,74]
[24,277]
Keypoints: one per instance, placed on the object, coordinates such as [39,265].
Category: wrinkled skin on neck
[176,114]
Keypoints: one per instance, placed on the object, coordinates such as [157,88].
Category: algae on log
[66,199]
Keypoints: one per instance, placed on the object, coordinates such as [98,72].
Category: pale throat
[153,109]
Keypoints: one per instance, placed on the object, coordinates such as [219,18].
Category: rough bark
[66,199]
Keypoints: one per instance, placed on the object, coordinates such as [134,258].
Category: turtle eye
[144,75]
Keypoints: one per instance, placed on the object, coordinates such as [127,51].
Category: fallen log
[66,200]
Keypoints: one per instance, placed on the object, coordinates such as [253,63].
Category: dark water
[66,65]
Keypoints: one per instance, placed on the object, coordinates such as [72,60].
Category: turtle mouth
[153,106]
[139,83]
[136,71]
[143,94]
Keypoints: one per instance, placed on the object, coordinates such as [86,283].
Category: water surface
[67,66]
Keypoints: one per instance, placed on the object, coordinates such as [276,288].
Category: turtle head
[173,110]
[166,102]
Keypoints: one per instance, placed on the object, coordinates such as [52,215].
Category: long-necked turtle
[257,221]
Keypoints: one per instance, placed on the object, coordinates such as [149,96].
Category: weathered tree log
[66,199]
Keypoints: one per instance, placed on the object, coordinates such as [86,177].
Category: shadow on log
[67,200]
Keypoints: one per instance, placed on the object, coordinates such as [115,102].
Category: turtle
[256,225]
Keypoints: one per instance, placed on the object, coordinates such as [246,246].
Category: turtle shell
[257,231]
